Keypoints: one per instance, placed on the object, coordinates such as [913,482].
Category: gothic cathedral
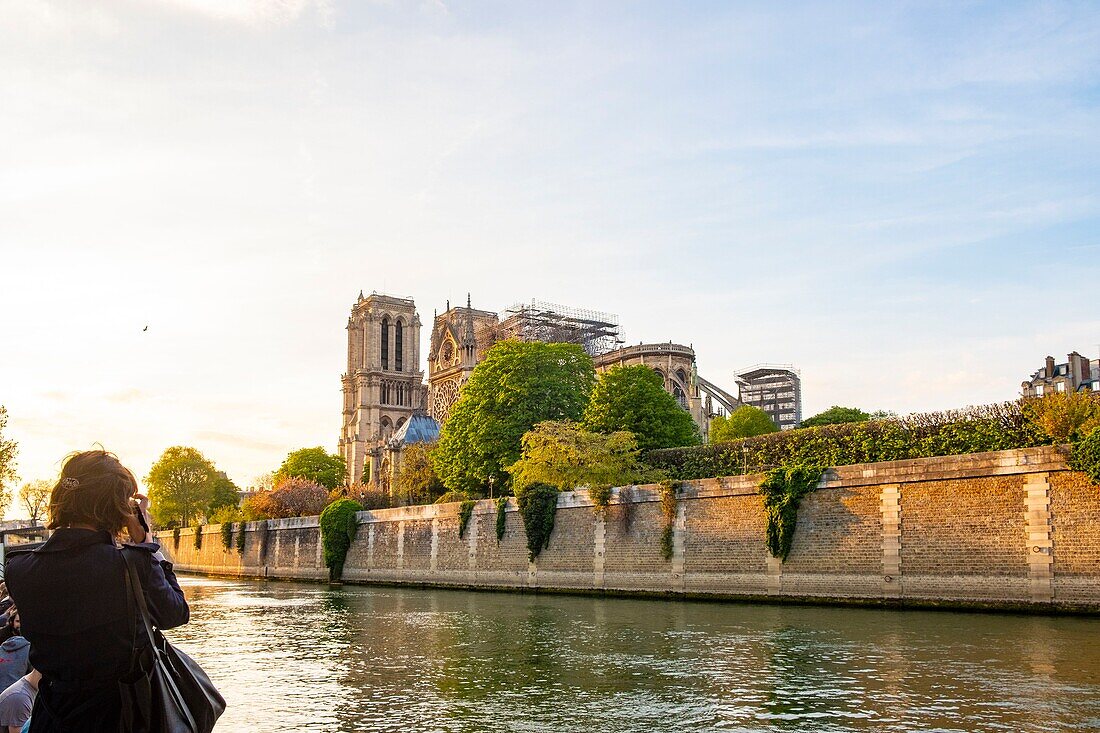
[383,385]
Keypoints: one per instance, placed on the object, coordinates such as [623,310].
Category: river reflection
[303,657]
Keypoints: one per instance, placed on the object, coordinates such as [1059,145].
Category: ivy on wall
[198,536]
[176,538]
[502,518]
[261,532]
[538,503]
[465,511]
[669,500]
[227,535]
[240,537]
[338,527]
[601,497]
[783,489]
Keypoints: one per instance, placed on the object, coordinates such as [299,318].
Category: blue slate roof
[417,429]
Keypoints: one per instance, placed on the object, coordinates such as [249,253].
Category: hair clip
[70,483]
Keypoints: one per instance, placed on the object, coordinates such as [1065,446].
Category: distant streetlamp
[492,480]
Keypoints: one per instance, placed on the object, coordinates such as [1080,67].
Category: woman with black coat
[72,595]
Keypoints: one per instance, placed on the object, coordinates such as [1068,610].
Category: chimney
[1050,367]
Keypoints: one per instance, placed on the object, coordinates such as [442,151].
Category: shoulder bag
[168,692]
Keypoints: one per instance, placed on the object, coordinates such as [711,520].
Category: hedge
[1001,426]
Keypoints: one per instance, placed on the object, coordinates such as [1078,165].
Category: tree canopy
[294,497]
[224,494]
[35,498]
[837,415]
[566,456]
[516,386]
[181,485]
[744,422]
[313,464]
[8,451]
[633,398]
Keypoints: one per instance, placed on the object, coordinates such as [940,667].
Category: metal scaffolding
[597,333]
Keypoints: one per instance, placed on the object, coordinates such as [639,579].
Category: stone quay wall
[1008,529]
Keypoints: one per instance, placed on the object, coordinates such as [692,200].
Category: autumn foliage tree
[8,450]
[292,497]
[313,464]
[416,481]
[566,456]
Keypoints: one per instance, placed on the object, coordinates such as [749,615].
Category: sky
[900,199]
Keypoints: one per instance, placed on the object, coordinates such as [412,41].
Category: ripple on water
[311,658]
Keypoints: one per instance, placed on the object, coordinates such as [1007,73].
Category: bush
[538,504]
[368,497]
[973,430]
[783,489]
[1085,456]
[338,528]
[1065,416]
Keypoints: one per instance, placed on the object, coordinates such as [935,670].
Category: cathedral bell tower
[383,385]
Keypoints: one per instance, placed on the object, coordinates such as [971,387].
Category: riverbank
[1009,530]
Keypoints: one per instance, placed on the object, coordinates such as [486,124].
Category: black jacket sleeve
[166,603]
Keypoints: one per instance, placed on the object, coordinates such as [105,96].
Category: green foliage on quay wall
[1085,456]
[175,538]
[227,535]
[538,503]
[338,527]
[670,491]
[502,517]
[240,537]
[465,511]
[198,536]
[783,489]
[994,427]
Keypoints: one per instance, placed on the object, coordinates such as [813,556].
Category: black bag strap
[138,594]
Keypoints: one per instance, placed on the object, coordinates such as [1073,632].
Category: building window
[1060,387]
[1038,390]
[400,387]
[385,343]
[397,346]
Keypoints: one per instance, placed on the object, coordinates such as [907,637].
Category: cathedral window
[397,355]
[400,387]
[385,343]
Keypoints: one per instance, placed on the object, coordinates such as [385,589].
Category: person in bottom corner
[14,653]
[16,702]
[73,597]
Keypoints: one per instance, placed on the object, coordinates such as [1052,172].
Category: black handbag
[167,692]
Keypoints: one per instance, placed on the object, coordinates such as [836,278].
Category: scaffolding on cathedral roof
[538,320]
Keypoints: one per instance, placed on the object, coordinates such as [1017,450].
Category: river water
[304,657]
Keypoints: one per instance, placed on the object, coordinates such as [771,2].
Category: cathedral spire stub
[468,339]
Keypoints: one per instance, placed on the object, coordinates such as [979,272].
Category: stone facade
[383,385]
[1076,374]
[1011,529]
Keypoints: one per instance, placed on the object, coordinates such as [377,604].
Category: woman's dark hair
[94,489]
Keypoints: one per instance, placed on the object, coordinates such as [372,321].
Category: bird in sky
[145,329]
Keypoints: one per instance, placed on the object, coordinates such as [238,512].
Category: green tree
[181,485]
[416,481]
[313,464]
[837,415]
[225,494]
[744,422]
[8,451]
[35,498]
[566,456]
[632,398]
[518,385]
